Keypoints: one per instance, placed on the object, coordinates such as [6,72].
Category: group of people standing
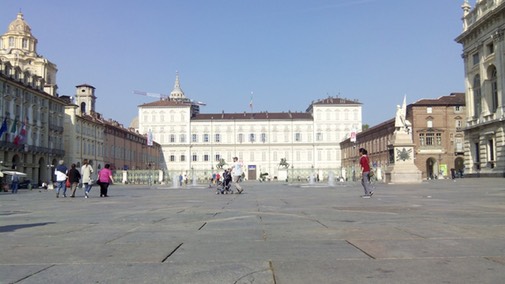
[72,177]
[232,175]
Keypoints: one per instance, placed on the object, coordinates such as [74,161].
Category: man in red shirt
[364,162]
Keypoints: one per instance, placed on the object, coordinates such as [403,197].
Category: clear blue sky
[287,52]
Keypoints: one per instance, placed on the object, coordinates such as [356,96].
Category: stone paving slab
[433,232]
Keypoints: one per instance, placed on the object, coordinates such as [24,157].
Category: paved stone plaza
[434,232]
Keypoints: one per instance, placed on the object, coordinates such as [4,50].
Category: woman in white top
[237,174]
[86,171]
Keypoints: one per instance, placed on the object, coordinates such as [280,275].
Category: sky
[286,53]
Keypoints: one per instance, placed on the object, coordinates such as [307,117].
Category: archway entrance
[431,165]
[459,166]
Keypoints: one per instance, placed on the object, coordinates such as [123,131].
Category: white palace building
[283,144]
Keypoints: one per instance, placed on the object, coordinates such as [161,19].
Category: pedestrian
[365,171]
[86,171]
[237,174]
[180,179]
[73,177]
[14,183]
[105,178]
[61,177]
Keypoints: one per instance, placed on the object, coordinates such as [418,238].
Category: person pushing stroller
[225,185]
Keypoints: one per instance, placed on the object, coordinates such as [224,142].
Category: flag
[14,128]
[251,101]
[20,138]
[4,127]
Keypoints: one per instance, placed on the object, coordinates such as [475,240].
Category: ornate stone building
[101,141]
[198,143]
[42,128]
[483,55]
[30,110]
[19,47]
[437,133]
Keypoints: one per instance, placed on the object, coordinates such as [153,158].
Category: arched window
[494,90]
[83,107]
[477,97]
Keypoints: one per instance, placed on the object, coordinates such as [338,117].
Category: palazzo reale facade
[199,144]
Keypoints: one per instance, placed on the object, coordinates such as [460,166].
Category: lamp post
[193,175]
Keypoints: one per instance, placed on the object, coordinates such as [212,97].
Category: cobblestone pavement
[434,232]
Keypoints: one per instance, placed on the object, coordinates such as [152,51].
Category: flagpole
[251,102]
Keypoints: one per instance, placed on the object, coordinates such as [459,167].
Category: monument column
[403,169]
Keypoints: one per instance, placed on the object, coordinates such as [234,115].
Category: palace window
[194,138]
[195,158]
[206,137]
[490,48]
[494,91]
[429,139]
[477,97]
[263,137]
[217,137]
[298,137]
[252,138]
[475,58]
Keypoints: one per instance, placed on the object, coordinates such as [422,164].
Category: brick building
[437,132]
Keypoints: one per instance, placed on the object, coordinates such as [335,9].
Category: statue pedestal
[282,174]
[403,170]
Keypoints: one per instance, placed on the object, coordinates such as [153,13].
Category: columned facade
[31,114]
[483,55]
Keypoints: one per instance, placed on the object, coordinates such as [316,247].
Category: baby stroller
[224,187]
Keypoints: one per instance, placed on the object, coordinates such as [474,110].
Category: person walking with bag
[86,171]
[105,178]
[73,177]
[365,171]
[14,183]
[61,178]
[237,174]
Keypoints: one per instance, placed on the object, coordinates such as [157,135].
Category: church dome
[135,123]
[19,26]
